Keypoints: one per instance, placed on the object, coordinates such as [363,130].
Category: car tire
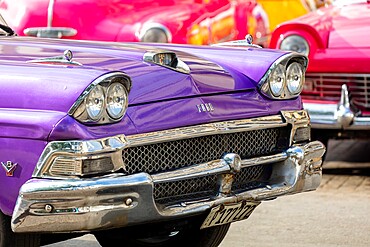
[8,238]
[209,237]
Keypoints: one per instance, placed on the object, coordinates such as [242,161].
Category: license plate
[223,214]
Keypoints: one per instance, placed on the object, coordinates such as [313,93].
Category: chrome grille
[328,87]
[166,156]
[196,188]
[205,187]
[251,177]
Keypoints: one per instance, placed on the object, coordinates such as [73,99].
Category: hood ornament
[65,59]
[9,168]
[243,43]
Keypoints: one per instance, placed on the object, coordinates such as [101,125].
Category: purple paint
[35,98]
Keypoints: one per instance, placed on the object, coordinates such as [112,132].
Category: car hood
[340,26]
[57,86]
[349,24]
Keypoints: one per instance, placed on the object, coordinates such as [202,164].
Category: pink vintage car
[337,89]
[177,21]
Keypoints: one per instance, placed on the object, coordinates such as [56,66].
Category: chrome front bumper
[336,115]
[78,205]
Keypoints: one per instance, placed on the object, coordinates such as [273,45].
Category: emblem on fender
[207,107]
[9,168]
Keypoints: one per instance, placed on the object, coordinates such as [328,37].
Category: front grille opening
[252,177]
[185,190]
[167,156]
[205,187]
[328,87]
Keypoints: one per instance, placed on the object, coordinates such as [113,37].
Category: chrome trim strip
[206,129]
[214,167]
[46,205]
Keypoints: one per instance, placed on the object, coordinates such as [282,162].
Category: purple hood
[52,89]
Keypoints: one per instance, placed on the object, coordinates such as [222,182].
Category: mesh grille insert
[166,156]
[205,187]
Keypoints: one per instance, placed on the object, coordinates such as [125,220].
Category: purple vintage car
[146,145]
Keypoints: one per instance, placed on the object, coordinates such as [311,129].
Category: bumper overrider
[337,116]
[78,204]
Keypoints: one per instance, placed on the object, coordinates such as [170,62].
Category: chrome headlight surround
[292,66]
[94,104]
[295,43]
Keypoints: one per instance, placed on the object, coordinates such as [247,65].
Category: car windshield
[4,28]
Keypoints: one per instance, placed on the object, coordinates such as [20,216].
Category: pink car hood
[350,26]
[340,26]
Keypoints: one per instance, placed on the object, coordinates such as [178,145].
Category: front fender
[23,137]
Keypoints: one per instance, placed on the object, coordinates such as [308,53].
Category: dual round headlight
[286,83]
[113,100]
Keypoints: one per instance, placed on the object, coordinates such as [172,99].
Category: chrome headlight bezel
[295,43]
[80,110]
[283,63]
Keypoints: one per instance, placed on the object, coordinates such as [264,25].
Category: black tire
[194,237]
[10,239]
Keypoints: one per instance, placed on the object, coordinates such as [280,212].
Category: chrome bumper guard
[79,205]
[336,116]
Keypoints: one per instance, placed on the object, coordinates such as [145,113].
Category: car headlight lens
[95,103]
[277,80]
[155,35]
[295,43]
[116,100]
[294,78]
